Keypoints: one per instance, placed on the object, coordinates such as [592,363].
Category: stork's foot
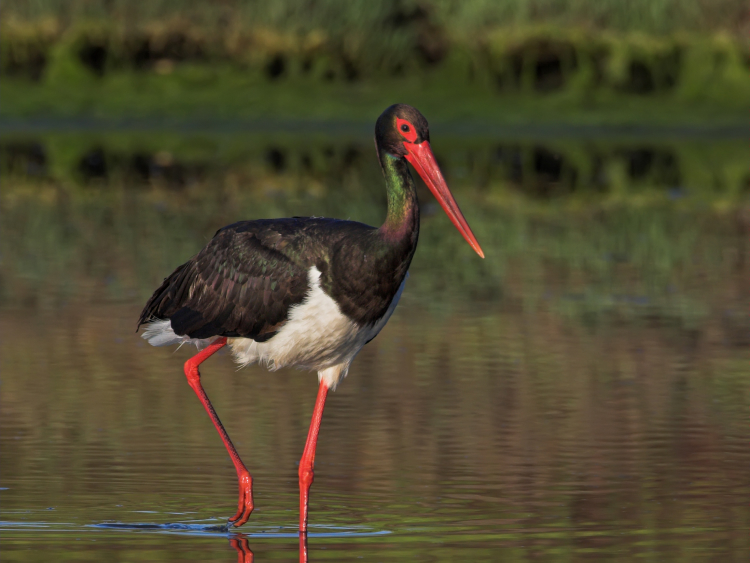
[245,504]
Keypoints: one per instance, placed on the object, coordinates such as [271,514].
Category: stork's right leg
[307,462]
[243,476]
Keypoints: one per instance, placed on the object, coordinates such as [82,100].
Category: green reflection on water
[580,393]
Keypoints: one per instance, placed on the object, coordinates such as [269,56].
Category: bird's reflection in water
[245,554]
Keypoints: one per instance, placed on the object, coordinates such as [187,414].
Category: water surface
[582,394]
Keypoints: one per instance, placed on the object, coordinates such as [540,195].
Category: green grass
[512,62]
[648,16]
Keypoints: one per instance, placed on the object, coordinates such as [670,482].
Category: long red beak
[421,158]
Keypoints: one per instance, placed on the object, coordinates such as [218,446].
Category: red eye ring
[406,129]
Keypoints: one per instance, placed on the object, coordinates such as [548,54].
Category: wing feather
[240,284]
[246,279]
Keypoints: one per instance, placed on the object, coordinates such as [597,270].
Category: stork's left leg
[245,503]
[308,456]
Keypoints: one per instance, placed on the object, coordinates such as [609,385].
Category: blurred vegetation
[601,231]
[340,17]
[322,158]
[523,59]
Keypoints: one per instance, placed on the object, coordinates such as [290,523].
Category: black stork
[307,292]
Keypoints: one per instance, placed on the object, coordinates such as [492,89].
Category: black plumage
[247,277]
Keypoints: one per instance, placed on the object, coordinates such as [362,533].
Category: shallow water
[582,394]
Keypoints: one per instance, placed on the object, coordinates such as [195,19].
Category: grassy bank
[526,61]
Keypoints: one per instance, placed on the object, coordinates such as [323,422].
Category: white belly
[317,336]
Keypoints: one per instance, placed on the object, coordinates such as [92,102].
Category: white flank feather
[160,333]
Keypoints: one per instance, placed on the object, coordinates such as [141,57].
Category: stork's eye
[407,130]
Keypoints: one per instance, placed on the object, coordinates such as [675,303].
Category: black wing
[241,284]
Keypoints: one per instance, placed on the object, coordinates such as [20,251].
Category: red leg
[243,476]
[308,457]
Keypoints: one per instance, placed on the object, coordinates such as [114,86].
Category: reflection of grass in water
[329,156]
[650,257]
[223,93]
[627,249]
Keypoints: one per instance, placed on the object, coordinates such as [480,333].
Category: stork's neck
[402,221]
